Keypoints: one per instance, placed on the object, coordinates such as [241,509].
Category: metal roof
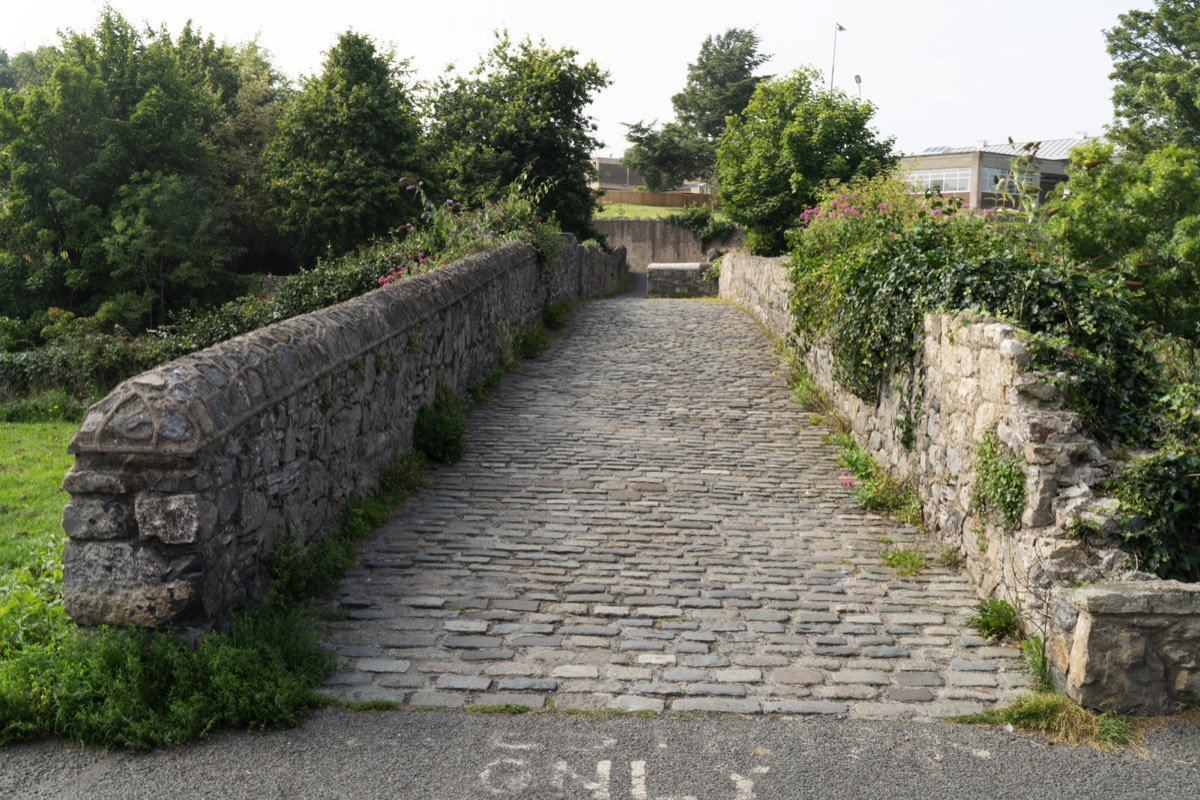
[1049,149]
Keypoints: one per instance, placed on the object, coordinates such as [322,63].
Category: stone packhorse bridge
[644,518]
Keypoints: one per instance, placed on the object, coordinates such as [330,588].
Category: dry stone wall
[186,476]
[1116,638]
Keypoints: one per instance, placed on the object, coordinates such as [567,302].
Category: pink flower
[846,479]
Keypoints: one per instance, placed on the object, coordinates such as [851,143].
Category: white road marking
[599,789]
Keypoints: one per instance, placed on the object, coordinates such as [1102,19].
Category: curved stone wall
[187,475]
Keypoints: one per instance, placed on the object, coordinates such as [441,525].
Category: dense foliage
[114,187]
[522,108]
[871,260]
[719,85]
[342,145]
[793,137]
[148,181]
[1132,208]
[86,358]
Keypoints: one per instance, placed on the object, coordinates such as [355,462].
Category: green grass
[1057,717]
[905,560]
[629,210]
[135,689]
[33,461]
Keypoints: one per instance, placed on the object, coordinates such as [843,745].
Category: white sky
[941,72]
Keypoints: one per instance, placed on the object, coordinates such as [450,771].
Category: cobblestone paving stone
[646,520]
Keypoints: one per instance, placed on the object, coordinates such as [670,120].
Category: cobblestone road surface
[646,520]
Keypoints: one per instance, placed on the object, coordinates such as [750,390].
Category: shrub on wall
[866,270]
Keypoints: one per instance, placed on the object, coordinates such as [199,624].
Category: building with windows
[981,176]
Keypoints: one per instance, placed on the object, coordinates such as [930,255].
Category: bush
[866,270]
[701,221]
[995,619]
[440,429]
[999,482]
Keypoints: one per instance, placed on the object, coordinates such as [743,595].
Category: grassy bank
[33,460]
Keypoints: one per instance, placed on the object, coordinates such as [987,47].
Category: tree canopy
[91,132]
[719,85]
[343,143]
[792,137]
[1156,70]
[521,109]
[1131,209]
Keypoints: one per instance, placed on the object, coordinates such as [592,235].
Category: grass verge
[33,461]
[1057,717]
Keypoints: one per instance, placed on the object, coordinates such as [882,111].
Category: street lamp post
[837,26]
[858,82]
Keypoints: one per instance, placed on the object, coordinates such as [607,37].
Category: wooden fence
[670,199]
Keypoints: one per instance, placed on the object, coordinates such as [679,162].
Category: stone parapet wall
[656,241]
[186,476]
[680,280]
[976,380]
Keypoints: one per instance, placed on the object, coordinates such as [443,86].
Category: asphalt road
[452,754]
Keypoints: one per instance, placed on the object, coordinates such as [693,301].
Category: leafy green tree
[524,104]
[793,136]
[719,85]
[1137,221]
[8,78]
[667,157]
[89,118]
[1132,211]
[1157,73]
[165,240]
[343,143]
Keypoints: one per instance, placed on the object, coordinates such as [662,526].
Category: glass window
[953,179]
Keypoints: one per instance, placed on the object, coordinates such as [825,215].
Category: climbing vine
[999,482]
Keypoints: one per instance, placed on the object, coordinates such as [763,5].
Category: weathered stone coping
[178,408]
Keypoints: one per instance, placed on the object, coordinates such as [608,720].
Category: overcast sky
[941,72]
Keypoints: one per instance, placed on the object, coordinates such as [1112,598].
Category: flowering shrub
[871,260]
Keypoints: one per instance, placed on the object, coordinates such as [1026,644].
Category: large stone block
[175,519]
[96,517]
[122,583]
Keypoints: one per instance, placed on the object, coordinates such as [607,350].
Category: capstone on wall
[186,476]
[1116,639]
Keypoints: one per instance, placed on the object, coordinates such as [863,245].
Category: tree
[1157,73]
[668,157]
[719,85]
[103,112]
[522,108]
[343,144]
[1132,211]
[792,137]
[8,77]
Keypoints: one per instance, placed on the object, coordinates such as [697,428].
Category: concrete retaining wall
[186,476]
[656,241]
[1126,641]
